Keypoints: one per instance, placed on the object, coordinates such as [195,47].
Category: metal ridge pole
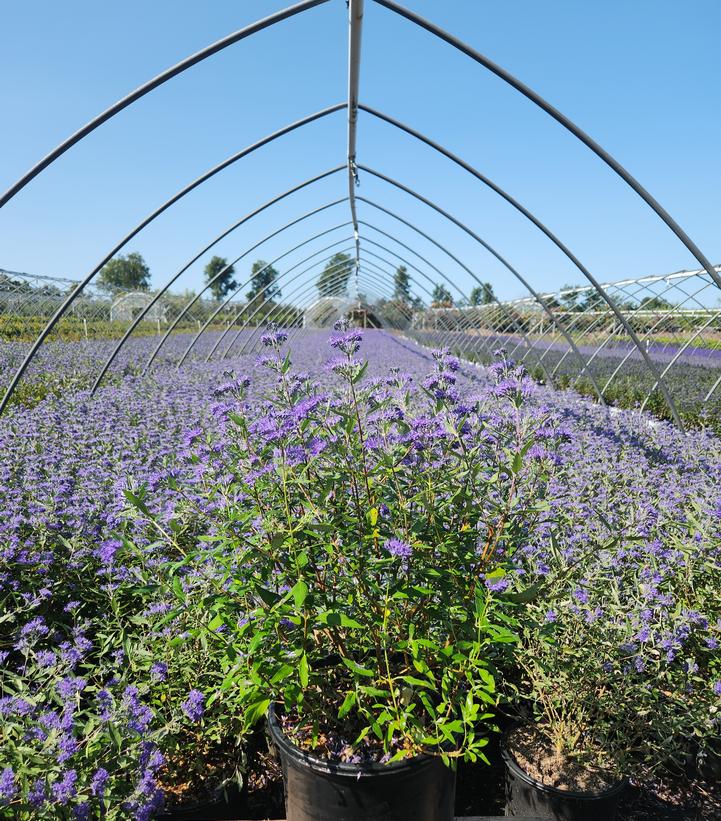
[157,81]
[355,30]
[567,123]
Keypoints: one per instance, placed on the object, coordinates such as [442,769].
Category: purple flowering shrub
[360,544]
[106,717]
[618,639]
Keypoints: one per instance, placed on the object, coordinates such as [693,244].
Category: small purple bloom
[81,812]
[139,715]
[497,585]
[67,747]
[193,705]
[107,550]
[105,702]
[46,658]
[398,548]
[158,671]
[36,627]
[65,789]
[69,687]
[37,794]
[97,785]
[8,788]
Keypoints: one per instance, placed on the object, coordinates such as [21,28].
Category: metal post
[355,30]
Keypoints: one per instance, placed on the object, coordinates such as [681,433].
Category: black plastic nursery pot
[526,796]
[418,789]
[226,803]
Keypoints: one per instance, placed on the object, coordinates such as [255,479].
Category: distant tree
[225,282]
[655,303]
[482,294]
[551,301]
[441,297]
[402,283]
[593,302]
[262,286]
[333,279]
[569,299]
[125,273]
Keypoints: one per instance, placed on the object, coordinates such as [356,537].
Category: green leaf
[268,596]
[215,623]
[354,667]
[416,682]
[348,702]
[361,372]
[178,588]
[374,691]
[300,593]
[334,619]
[303,670]
[283,672]
[137,500]
[528,594]
[256,711]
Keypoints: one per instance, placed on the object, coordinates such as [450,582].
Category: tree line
[130,272]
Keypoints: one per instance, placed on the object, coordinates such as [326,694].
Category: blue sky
[642,78]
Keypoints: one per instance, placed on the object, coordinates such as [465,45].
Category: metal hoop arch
[145,222]
[211,281]
[567,123]
[494,253]
[151,85]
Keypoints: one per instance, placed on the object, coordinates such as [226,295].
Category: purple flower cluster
[193,706]
[398,548]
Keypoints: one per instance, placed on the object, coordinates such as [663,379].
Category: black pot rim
[340,768]
[515,767]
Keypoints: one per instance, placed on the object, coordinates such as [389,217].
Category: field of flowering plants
[125,622]
[693,372]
